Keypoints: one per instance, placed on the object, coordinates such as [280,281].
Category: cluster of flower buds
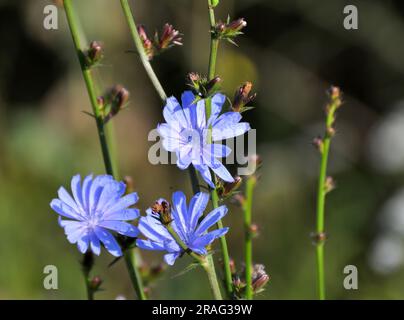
[162,211]
[229,30]
[201,86]
[169,37]
[113,101]
[228,189]
[259,280]
[243,97]
[334,103]
[94,54]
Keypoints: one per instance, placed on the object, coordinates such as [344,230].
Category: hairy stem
[248,235]
[139,47]
[203,261]
[214,44]
[90,85]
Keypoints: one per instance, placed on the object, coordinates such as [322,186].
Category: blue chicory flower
[186,133]
[97,206]
[185,224]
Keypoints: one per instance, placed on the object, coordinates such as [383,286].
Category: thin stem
[324,187]
[203,261]
[214,45]
[320,218]
[130,259]
[248,235]
[90,85]
[139,47]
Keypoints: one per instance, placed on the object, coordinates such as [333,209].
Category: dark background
[292,51]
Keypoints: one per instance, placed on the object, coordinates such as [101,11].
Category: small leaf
[188,268]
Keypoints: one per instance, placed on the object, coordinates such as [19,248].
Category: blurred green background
[292,51]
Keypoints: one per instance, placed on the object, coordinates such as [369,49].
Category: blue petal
[66,198]
[153,229]
[109,241]
[96,189]
[95,244]
[86,192]
[123,215]
[173,114]
[217,102]
[110,194]
[83,242]
[200,243]
[170,258]
[167,131]
[180,213]
[77,192]
[121,227]
[212,218]
[200,115]
[220,169]
[196,208]
[205,173]
[218,150]
[64,210]
[123,203]
[149,245]
[232,130]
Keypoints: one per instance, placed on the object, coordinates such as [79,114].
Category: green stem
[130,259]
[203,261]
[320,218]
[90,85]
[248,236]
[214,45]
[323,189]
[139,47]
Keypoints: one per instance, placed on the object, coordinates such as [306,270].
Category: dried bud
[95,283]
[238,199]
[329,184]
[129,184]
[157,269]
[229,30]
[162,211]
[170,37]
[318,144]
[147,43]
[259,278]
[232,265]
[212,84]
[227,189]
[242,97]
[254,230]
[330,132]
[114,101]
[94,54]
[318,237]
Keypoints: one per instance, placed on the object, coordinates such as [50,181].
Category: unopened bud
[260,278]
[129,184]
[242,97]
[147,43]
[329,184]
[330,132]
[228,188]
[254,230]
[232,266]
[210,86]
[318,237]
[95,283]
[95,52]
[119,97]
[229,30]
[239,199]
[318,144]
[237,25]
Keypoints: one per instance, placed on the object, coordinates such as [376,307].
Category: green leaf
[188,268]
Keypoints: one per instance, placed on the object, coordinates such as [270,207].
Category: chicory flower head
[97,206]
[184,220]
[192,137]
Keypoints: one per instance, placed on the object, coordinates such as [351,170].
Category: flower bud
[329,184]
[95,283]
[226,189]
[201,86]
[162,211]
[147,43]
[170,37]
[119,96]
[242,97]
[259,278]
[229,30]
[129,184]
[254,230]
[95,52]
[318,144]
[232,265]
